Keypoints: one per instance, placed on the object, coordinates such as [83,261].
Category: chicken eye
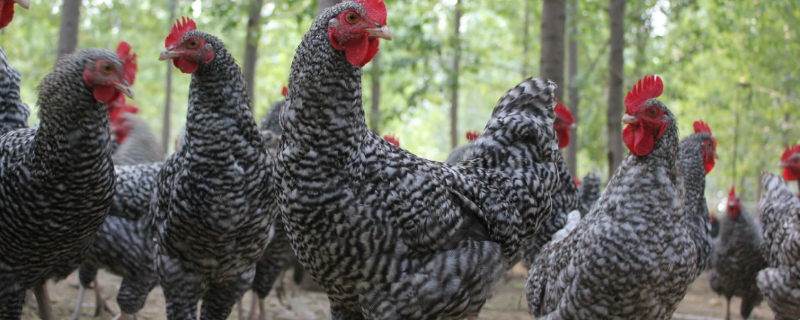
[652,111]
[192,44]
[351,17]
[558,122]
[107,68]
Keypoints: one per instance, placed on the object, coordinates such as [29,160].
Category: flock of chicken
[387,234]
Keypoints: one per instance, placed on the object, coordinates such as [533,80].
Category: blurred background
[731,63]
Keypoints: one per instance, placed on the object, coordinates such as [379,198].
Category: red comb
[284,91]
[180,27]
[376,10]
[472,135]
[702,127]
[648,88]
[392,139]
[732,194]
[795,148]
[563,112]
[128,59]
[576,181]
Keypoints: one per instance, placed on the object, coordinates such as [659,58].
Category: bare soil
[510,303]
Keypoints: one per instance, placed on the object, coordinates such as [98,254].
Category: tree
[168,96]
[251,47]
[454,76]
[68,32]
[572,102]
[325,4]
[552,58]
[526,18]
[616,63]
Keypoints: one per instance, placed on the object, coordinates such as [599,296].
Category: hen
[736,258]
[790,162]
[458,152]
[13,112]
[632,256]
[137,143]
[57,180]
[387,234]
[213,205]
[779,283]
[271,120]
[588,192]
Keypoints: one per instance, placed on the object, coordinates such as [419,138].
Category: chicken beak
[381,32]
[629,119]
[573,126]
[23,3]
[782,165]
[125,88]
[169,54]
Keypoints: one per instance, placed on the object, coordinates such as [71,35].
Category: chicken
[7,10]
[632,256]
[566,199]
[213,205]
[13,112]
[57,180]
[779,283]
[137,143]
[458,152]
[790,162]
[588,192]
[392,139]
[387,234]
[698,155]
[714,227]
[736,258]
[271,120]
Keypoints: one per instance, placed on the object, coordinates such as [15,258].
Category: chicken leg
[81,294]
[45,312]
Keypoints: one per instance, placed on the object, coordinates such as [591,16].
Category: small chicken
[458,152]
[588,192]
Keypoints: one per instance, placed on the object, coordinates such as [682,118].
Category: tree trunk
[526,39]
[454,75]
[552,58]
[574,99]
[251,48]
[68,32]
[165,143]
[615,90]
[325,4]
[375,110]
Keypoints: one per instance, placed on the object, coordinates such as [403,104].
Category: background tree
[616,66]
[552,58]
[572,85]
[251,47]
[454,75]
[68,35]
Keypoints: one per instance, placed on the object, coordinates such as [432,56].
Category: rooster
[588,192]
[57,180]
[387,234]
[632,256]
[213,204]
[566,199]
[736,258]
[780,247]
[698,156]
[790,162]
[458,152]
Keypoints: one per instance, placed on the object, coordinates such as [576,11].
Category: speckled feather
[390,235]
[779,283]
[271,120]
[696,205]
[588,192]
[13,112]
[632,256]
[736,260]
[57,182]
[213,205]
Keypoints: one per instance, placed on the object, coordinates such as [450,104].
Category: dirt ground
[509,303]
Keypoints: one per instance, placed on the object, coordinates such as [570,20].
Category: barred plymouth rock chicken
[271,120]
[213,206]
[790,162]
[632,256]
[387,234]
[137,143]
[566,199]
[458,152]
[588,192]
[13,112]
[736,258]
[779,283]
[698,155]
[57,180]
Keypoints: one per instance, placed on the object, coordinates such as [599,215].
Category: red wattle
[7,14]
[563,138]
[708,165]
[184,65]
[105,94]
[637,140]
[356,51]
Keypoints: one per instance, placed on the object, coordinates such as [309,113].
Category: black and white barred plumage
[632,256]
[271,120]
[390,235]
[736,260]
[697,215]
[213,205]
[588,192]
[57,181]
[13,112]
[780,221]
